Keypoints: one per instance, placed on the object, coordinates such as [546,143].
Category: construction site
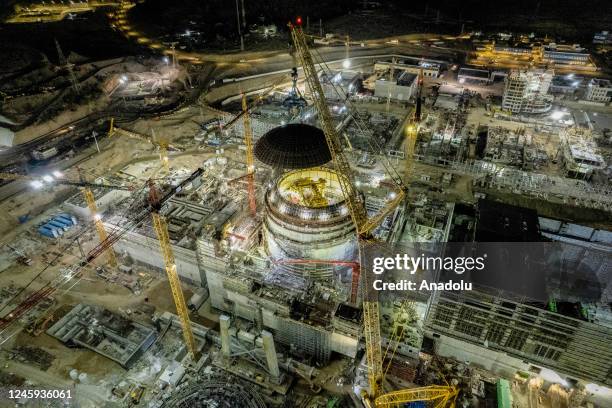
[211,243]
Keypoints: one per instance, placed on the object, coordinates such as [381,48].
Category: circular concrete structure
[216,392]
[307,218]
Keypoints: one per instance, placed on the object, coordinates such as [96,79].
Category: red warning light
[298,21]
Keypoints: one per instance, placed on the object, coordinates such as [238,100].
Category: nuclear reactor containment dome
[307,218]
[293,146]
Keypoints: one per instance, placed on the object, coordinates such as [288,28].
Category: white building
[339,84]
[428,68]
[565,54]
[401,88]
[603,37]
[527,91]
[599,90]
[472,75]
[7,136]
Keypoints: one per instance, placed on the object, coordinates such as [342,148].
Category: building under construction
[231,266]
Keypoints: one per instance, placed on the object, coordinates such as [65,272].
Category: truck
[44,154]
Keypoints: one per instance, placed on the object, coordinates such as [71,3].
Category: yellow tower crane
[412,130]
[162,143]
[354,201]
[411,133]
[87,195]
[93,209]
[250,161]
[364,226]
[161,229]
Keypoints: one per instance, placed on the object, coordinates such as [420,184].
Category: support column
[270,350]
[224,322]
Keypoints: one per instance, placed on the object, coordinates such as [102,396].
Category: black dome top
[293,146]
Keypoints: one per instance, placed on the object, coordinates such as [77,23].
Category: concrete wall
[77,205]
[494,361]
[146,250]
[400,93]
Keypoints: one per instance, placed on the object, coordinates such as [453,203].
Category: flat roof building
[401,88]
[506,331]
[603,37]
[565,84]
[565,54]
[599,90]
[429,68]
[473,75]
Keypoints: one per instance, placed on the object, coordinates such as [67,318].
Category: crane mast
[93,209]
[439,395]
[161,229]
[356,205]
[412,131]
[356,208]
[89,199]
[250,162]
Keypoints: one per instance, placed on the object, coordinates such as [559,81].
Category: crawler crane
[375,397]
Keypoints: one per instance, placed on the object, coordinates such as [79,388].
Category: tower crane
[137,216]
[161,229]
[68,66]
[250,161]
[254,103]
[162,143]
[391,79]
[93,209]
[163,150]
[87,195]
[364,226]
[354,202]
[248,141]
[412,131]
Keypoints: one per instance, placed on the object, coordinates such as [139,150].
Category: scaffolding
[551,188]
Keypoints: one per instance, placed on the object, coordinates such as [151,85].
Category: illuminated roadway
[51,12]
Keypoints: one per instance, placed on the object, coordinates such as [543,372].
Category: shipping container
[47,232]
[58,225]
[71,217]
[59,231]
[65,219]
[66,223]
